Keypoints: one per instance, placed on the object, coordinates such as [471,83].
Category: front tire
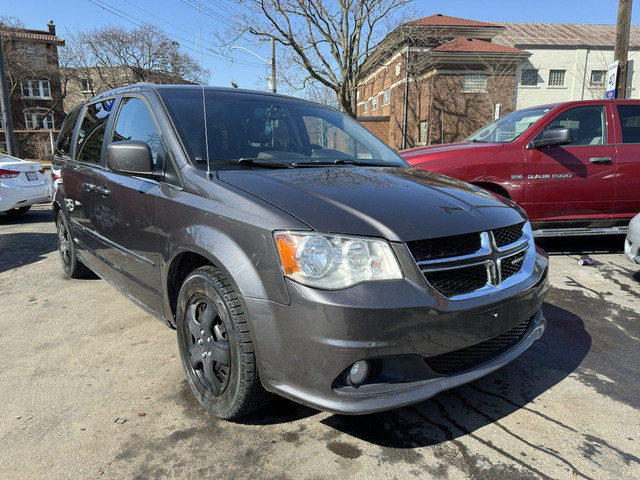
[73,268]
[215,346]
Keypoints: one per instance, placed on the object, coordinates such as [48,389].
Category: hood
[448,150]
[399,204]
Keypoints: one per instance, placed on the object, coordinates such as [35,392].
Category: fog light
[359,373]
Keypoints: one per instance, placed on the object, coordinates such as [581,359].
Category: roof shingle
[562,34]
[464,44]
[38,37]
[440,20]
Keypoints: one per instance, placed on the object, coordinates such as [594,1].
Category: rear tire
[73,268]
[16,212]
[215,346]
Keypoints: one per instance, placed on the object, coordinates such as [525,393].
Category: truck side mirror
[551,138]
[130,156]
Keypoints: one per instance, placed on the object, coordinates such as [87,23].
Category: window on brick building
[86,85]
[35,89]
[387,96]
[366,106]
[424,132]
[474,83]
[374,103]
[34,119]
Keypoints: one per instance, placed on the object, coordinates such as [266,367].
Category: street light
[272,62]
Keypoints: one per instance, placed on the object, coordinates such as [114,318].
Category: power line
[139,23]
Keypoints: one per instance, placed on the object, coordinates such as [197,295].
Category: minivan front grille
[459,280]
[463,264]
[466,358]
[508,235]
[443,247]
[511,265]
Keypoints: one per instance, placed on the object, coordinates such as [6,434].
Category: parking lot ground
[92,387]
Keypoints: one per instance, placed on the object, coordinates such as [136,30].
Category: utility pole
[622,45]
[273,65]
[5,106]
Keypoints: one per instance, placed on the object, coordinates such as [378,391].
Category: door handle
[89,187]
[103,191]
[600,160]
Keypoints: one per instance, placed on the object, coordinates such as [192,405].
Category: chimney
[52,27]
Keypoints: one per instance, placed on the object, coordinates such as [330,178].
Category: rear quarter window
[91,132]
[629,123]
[63,144]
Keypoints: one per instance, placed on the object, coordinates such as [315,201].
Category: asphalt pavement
[92,387]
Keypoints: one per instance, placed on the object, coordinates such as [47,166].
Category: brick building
[436,80]
[31,64]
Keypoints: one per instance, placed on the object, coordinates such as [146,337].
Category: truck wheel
[73,268]
[215,346]
[16,212]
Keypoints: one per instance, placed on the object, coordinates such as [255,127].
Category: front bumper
[632,242]
[305,348]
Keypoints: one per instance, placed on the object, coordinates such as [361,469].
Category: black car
[293,251]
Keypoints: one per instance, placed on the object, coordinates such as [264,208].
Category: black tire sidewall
[198,283]
[68,269]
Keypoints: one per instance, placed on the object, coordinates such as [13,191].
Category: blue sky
[180,20]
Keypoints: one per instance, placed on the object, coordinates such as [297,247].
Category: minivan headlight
[335,261]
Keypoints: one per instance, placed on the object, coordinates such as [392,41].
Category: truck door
[627,200]
[577,179]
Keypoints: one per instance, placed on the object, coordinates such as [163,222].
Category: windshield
[254,130]
[509,127]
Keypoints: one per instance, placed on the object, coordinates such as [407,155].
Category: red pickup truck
[574,167]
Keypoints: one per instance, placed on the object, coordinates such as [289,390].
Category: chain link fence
[35,145]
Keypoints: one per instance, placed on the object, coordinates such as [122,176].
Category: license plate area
[31,176]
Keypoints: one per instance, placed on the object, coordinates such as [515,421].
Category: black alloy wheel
[215,346]
[208,344]
[72,267]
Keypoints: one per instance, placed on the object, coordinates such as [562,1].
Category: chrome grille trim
[492,257]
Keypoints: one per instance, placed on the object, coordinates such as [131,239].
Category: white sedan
[22,184]
[632,243]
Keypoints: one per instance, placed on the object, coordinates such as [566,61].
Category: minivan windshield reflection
[509,127]
[267,131]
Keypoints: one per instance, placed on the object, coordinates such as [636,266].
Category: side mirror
[551,138]
[130,156]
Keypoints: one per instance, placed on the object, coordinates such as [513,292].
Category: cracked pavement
[92,387]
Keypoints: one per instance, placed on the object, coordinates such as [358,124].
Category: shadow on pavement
[465,409]
[18,249]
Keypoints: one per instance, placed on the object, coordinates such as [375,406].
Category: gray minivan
[293,251]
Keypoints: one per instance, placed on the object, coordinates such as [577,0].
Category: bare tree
[122,57]
[328,39]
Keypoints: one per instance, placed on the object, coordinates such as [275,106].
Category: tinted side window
[91,132]
[134,122]
[630,123]
[63,144]
[587,124]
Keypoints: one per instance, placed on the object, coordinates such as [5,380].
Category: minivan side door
[79,177]
[627,201]
[577,179]
[128,206]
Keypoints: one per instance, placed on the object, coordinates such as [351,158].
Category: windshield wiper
[262,162]
[341,161]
